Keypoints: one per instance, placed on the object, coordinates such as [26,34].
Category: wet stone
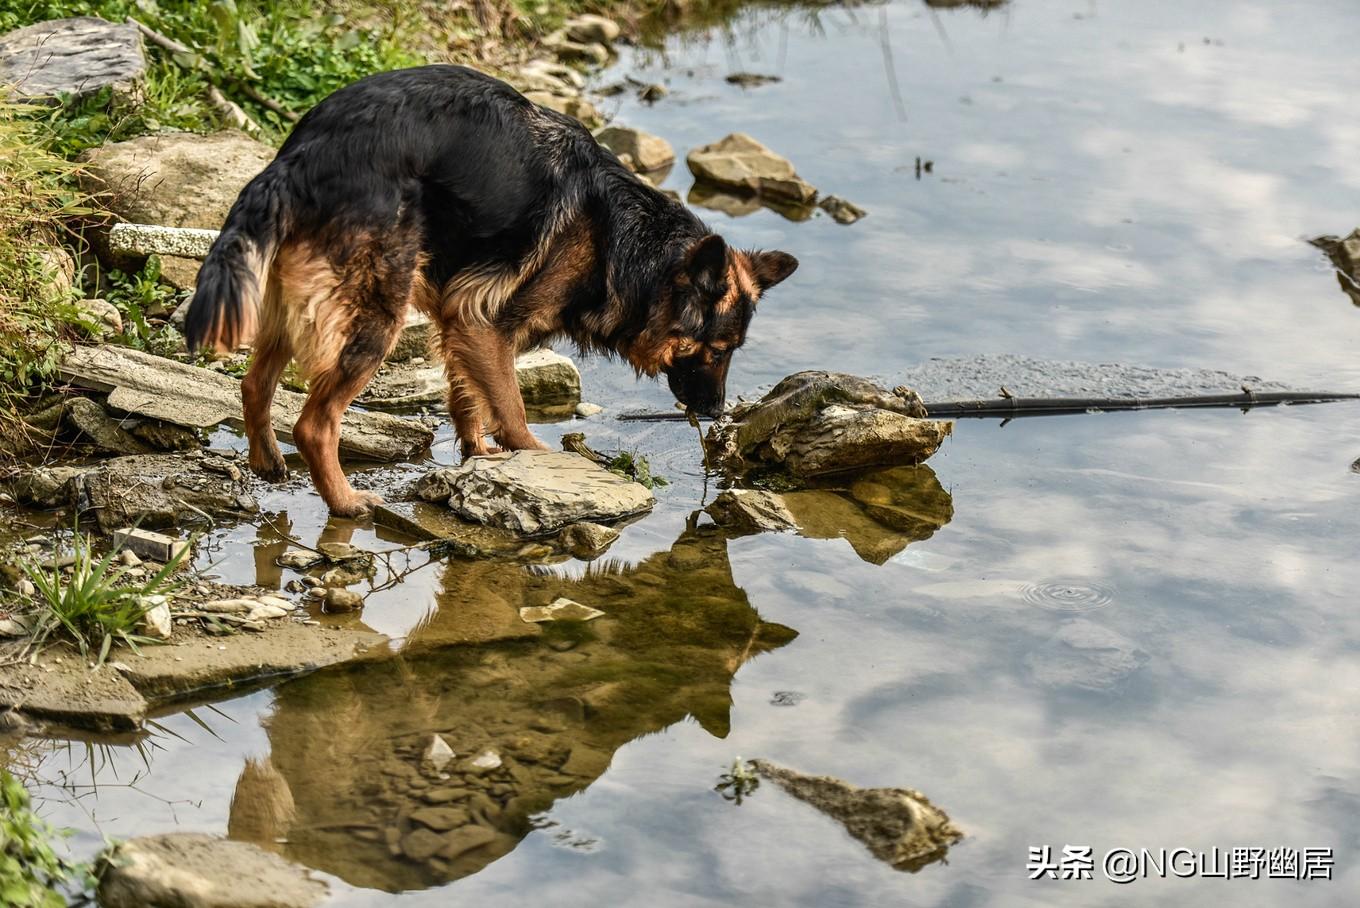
[441,819]
[534,492]
[465,839]
[444,795]
[421,844]
[816,423]
[561,609]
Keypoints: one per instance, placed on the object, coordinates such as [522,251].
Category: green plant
[139,295]
[92,606]
[739,782]
[32,874]
[37,200]
[634,466]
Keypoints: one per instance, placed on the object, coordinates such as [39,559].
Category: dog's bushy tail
[225,310]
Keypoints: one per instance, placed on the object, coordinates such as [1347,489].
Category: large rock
[76,57]
[534,492]
[149,490]
[815,423]
[647,152]
[192,870]
[741,163]
[175,180]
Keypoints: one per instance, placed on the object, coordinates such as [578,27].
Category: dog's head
[711,301]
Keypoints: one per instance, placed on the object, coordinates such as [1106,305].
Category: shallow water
[1129,630]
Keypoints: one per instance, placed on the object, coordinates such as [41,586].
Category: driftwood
[1012,407]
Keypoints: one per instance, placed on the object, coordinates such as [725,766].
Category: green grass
[140,296]
[91,606]
[32,874]
[294,53]
[37,200]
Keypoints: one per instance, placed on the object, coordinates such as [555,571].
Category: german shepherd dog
[507,224]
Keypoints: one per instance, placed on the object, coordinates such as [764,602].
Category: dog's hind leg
[272,353]
[317,432]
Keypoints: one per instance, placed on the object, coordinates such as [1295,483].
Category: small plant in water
[90,605]
[739,782]
[634,466]
[32,874]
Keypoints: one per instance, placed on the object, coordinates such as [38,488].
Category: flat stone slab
[534,492]
[189,664]
[186,395]
[545,378]
[982,377]
[78,56]
[193,870]
[70,694]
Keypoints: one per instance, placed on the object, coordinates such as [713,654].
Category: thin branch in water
[890,70]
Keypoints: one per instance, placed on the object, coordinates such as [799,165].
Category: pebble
[339,599]
[130,558]
[585,409]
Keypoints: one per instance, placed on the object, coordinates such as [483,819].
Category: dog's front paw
[358,507]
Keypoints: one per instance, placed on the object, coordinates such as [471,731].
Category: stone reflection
[352,786]
[739,205]
[879,512]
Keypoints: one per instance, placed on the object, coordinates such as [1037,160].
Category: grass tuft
[91,605]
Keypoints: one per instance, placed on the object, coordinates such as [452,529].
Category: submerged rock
[740,162]
[898,825]
[752,80]
[815,423]
[1086,655]
[76,57]
[533,492]
[587,540]
[841,210]
[191,870]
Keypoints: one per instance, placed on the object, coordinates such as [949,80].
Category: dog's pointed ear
[769,268]
[706,264]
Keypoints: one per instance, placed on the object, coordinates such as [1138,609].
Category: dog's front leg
[483,390]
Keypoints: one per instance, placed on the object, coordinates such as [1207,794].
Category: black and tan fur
[443,189]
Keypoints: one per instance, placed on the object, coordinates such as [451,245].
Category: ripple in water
[1066,596]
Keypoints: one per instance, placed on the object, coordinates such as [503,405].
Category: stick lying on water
[1008,408]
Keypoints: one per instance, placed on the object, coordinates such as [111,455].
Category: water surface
[1124,630]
